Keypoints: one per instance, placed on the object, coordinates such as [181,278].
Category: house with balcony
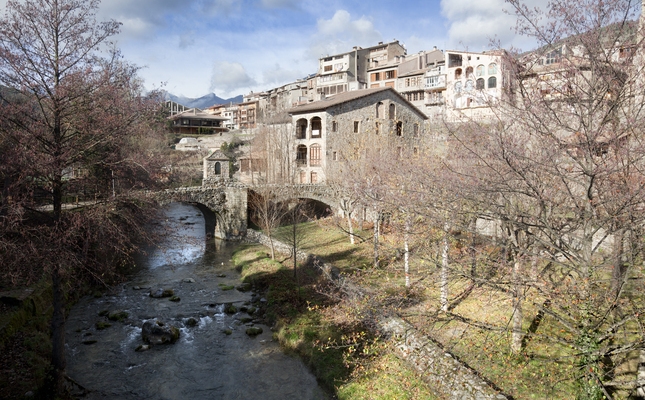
[196,121]
[474,83]
[352,124]
[351,71]
[411,80]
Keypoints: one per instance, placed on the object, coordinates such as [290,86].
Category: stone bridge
[225,203]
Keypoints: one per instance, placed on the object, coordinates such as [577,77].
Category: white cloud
[340,33]
[230,77]
[278,75]
[472,25]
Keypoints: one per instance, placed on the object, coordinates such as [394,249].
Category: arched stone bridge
[225,204]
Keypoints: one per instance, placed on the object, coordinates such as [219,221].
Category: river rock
[191,322]
[189,280]
[253,331]
[159,293]
[244,287]
[117,315]
[142,347]
[156,332]
[230,309]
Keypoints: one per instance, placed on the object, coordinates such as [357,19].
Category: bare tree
[70,111]
[558,167]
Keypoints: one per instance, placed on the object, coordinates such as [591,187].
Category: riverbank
[334,335]
[323,327]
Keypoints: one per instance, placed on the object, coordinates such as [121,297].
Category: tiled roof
[346,97]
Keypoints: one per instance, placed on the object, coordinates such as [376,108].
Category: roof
[347,97]
[197,114]
[217,155]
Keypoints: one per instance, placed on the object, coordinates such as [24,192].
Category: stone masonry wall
[348,144]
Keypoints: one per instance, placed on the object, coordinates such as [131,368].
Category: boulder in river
[117,315]
[159,293]
[253,331]
[156,332]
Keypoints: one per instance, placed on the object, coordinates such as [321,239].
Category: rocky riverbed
[216,346]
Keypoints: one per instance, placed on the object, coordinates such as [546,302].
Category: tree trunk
[406,256]
[444,270]
[640,382]
[294,238]
[619,272]
[351,227]
[377,222]
[58,361]
[517,335]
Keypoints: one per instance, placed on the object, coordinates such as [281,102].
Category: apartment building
[351,71]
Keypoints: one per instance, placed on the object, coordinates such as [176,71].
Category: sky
[230,47]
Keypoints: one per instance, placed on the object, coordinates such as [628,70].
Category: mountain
[202,102]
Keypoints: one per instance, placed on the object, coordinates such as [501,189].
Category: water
[205,363]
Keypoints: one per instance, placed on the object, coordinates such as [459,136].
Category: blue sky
[231,47]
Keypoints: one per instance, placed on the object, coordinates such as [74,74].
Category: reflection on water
[206,362]
[183,238]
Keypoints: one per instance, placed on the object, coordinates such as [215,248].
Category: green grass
[346,358]
[545,369]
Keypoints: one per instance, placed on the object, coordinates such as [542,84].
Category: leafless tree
[74,112]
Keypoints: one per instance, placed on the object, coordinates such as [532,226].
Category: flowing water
[205,363]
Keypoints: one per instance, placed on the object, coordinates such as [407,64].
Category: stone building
[352,124]
[216,168]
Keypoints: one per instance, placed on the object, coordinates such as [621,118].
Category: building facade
[332,131]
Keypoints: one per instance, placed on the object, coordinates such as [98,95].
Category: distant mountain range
[204,101]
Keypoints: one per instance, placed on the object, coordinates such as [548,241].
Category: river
[206,362]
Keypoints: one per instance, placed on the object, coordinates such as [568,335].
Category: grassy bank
[328,334]
[336,336]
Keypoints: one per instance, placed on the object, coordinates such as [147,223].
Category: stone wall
[439,369]
[227,200]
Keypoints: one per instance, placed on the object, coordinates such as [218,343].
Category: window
[399,152]
[314,177]
[457,87]
[379,109]
[334,156]
[377,128]
[415,132]
[480,70]
[390,74]
[415,152]
[314,155]
[356,125]
[469,71]
[492,69]
[399,128]
[432,81]
[492,82]
[454,60]
[301,155]
[392,111]
[218,168]
[554,56]
[480,84]
[301,129]
[316,127]
[334,126]
[376,77]
[303,177]
[469,85]
[458,73]
[328,68]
